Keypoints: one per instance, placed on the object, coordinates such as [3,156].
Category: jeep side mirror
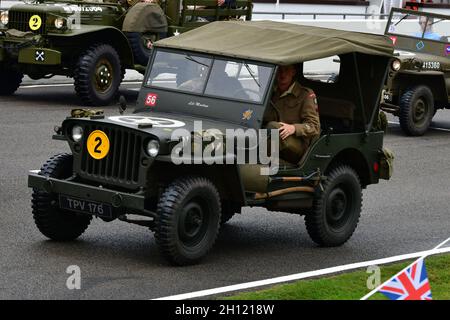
[122,104]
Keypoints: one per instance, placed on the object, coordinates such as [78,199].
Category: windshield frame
[272,69]
[405,12]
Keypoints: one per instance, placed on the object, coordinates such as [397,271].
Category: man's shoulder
[302,91]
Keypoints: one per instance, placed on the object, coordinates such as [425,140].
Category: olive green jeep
[419,80]
[94,42]
[185,161]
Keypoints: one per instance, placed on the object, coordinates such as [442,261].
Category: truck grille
[122,164]
[21,21]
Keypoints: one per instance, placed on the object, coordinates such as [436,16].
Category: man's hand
[286,130]
[220,2]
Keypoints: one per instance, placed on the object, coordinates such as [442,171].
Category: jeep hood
[160,125]
[407,55]
[64,8]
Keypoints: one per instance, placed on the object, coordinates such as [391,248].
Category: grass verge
[353,285]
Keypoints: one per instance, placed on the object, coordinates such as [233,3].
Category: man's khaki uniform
[297,106]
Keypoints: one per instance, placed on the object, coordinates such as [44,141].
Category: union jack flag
[410,284]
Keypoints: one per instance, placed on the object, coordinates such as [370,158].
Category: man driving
[426,25]
[294,112]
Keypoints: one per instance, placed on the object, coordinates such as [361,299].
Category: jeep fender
[433,79]
[86,36]
[357,150]
[226,177]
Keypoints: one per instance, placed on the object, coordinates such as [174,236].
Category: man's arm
[270,114]
[310,126]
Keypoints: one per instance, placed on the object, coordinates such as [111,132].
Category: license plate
[85,206]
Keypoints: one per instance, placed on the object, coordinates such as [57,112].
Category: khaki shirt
[297,106]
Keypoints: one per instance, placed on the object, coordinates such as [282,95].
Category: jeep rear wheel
[337,209]
[416,110]
[98,75]
[53,222]
[10,80]
[188,220]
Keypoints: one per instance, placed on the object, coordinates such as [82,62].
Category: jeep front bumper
[30,55]
[28,51]
[118,200]
[40,56]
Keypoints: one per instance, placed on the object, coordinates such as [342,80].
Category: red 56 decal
[151,99]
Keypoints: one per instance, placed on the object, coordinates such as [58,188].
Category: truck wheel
[416,110]
[53,222]
[139,43]
[336,211]
[10,80]
[98,75]
[188,220]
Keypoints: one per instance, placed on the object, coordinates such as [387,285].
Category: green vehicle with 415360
[418,84]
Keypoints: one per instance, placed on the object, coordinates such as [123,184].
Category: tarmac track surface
[409,213]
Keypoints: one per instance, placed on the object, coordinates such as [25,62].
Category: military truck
[129,164]
[94,42]
[419,80]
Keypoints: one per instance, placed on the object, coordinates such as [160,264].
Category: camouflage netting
[145,17]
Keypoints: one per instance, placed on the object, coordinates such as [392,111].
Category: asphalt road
[120,261]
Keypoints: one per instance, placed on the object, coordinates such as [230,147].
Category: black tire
[416,110]
[98,75]
[228,211]
[141,52]
[10,80]
[336,211]
[188,220]
[51,221]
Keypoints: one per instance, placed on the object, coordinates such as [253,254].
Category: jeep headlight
[60,22]
[152,148]
[77,133]
[4,18]
[396,65]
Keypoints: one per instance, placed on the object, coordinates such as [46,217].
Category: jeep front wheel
[98,75]
[416,110]
[10,80]
[53,222]
[188,220]
[336,211]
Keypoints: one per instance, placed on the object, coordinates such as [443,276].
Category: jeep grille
[122,165]
[21,21]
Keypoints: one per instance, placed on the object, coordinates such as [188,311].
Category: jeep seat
[336,113]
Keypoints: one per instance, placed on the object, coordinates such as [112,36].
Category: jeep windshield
[209,76]
[420,27]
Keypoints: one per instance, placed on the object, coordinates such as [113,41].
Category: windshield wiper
[438,21]
[251,73]
[188,57]
[403,18]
